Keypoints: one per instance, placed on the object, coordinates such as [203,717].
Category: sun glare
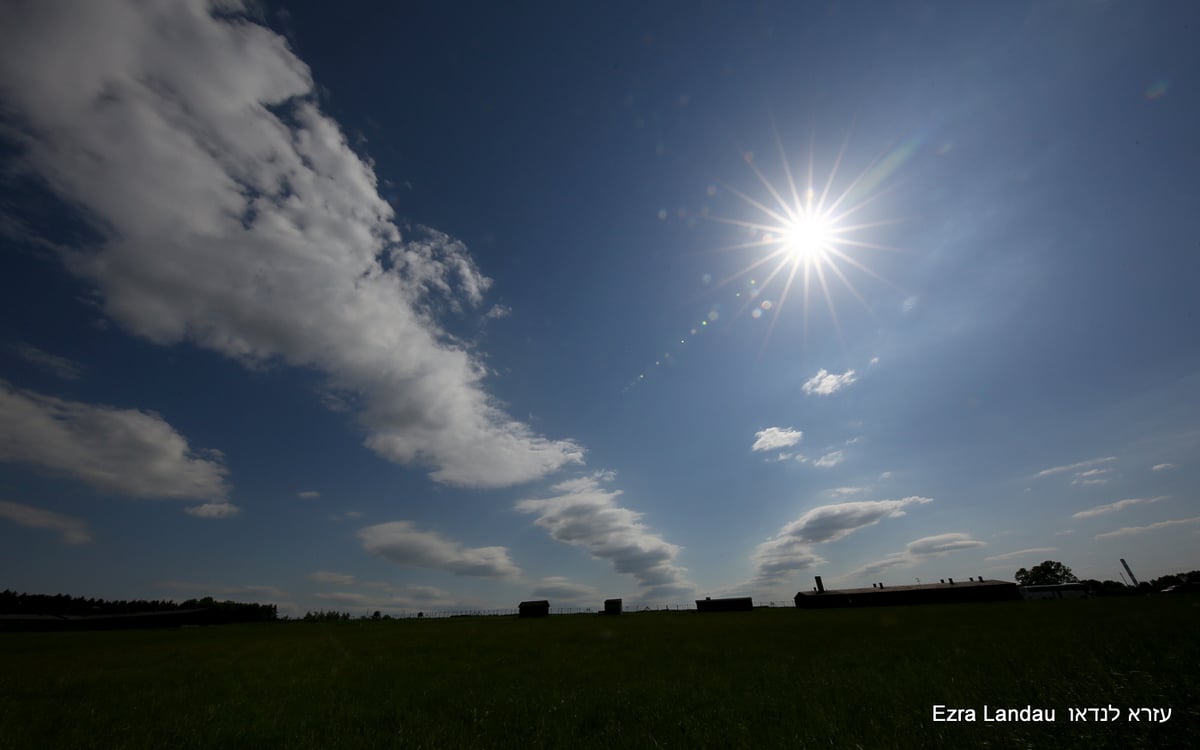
[804,235]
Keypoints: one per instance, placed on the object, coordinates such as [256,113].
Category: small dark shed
[534,609]
[612,606]
[734,604]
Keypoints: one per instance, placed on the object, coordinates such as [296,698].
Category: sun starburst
[805,235]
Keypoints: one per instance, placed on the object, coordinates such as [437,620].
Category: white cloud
[1091,477]
[846,491]
[1021,553]
[1100,510]
[583,513]
[60,367]
[73,530]
[126,451]
[403,544]
[1073,467]
[498,311]
[920,549]
[560,587]
[308,494]
[262,594]
[325,576]
[1129,530]
[773,438]
[1162,467]
[874,361]
[829,523]
[910,304]
[825,383]
[213,510]
[234,215]
[394,599]
[833,458]
[791,549]
[1064,532]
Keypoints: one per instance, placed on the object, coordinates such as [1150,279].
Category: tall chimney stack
[821,586]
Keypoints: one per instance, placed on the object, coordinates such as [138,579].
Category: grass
[769,678]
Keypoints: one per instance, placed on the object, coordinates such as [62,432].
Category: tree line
[13,603]
[1053,572]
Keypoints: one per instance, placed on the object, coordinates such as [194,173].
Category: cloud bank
[233,214]
[584,513]
[403,544]
[73,530]
[126,451]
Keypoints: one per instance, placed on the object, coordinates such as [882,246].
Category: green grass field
[769,678]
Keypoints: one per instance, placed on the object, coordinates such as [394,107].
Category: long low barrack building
[945,592]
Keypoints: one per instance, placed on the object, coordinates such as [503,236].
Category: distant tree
[1048,573]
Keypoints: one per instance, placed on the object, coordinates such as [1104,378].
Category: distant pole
[1123,578]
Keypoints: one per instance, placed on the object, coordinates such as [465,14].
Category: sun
[808,238]
[806,235]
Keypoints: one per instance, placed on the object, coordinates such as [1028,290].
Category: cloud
[325,576]
[825,383]
[1162,467]
[1021,553]
[559,587]
[495,312]
[125,451]
[921,549]
[774,438]
[1100,510]
[73,530]
[1091,477]
[791,550]
[213,510]
[1073,467]
[403,544]
[59,367]
[1129,530]
[394,598]
[910,304]
[833,458]
[829,523]
[585,514]
[308,494]
[846,491]
[233,214]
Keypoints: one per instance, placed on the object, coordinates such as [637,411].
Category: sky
[431,306]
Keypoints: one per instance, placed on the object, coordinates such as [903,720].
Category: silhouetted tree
[1048,573]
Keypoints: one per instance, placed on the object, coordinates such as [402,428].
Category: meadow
[788,678]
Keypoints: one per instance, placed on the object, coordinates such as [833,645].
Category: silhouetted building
[1055,591]
[927,593]
[733,604]
[534,609]
[612,606]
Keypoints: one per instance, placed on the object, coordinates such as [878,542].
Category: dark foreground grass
[768,678]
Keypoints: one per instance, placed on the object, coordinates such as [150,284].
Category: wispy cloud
[130,452]
[584,513]
[213,510]
[73,530]
[325,576]
[830,459]
[825,383]
[916,551]
[1022,553]
[773,438]
[1162,467]
[1091,477]
[1073,467]
[308,494]
[1100,510]
[60,367]
[234,214]
[560,587]
[791,549]
[403,544]
[1130,530]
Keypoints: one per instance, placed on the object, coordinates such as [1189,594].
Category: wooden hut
[733,604]
[612,606]
[534,609]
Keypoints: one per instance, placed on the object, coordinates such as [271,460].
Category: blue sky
[410,308]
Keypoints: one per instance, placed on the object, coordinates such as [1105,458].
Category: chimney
[951,580]
[881,584]
[943,580]
[820,586]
